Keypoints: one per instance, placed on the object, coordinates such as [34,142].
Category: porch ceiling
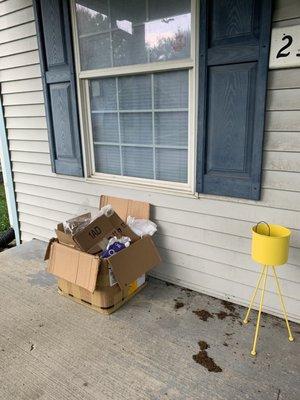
[53,348]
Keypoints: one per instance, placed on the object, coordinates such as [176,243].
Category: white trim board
[7,177]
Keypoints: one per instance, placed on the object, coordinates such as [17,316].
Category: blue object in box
[115,245]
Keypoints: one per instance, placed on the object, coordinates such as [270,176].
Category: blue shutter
[55,46]
[233,68]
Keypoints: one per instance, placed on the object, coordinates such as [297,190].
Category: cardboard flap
[64,237]
[74,266]
[124,207]
[122,229]
[134,261]
[48,249]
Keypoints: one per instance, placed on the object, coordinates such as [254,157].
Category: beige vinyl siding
[205,242]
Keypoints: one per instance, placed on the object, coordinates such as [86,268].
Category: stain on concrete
[228,305]
[203,314]
[203,359]
[222,314]
[41,278]
[29,251]
[203,345]
[178,304]
[169,284]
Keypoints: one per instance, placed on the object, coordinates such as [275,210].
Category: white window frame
[82,78]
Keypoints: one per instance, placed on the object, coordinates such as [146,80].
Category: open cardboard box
[88,279]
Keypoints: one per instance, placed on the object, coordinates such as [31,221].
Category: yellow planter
[270,244]
[270,247]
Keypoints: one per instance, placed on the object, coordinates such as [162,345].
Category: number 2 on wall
[286,46]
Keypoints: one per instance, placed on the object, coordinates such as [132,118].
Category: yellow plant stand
[270,247]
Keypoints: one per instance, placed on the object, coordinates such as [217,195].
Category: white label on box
[112,280]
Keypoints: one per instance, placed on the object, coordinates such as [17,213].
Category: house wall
[205,242]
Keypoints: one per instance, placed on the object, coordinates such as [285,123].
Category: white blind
[140,125]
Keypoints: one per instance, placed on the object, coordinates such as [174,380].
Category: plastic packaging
[76,224]
[106,210]
[115,245]
[141,227]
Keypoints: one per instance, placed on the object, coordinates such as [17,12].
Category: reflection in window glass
[117,32]
[92,16]
[140,125]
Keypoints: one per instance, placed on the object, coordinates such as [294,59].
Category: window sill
[171,188]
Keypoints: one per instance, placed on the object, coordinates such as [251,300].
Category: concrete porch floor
[53,348]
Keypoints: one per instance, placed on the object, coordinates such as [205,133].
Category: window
[136,77]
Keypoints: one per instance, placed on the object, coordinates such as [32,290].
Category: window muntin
[138,132]
[115,33]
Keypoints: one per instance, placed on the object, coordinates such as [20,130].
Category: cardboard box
[88,279]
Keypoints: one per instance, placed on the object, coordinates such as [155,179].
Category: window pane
[168,32]
[92,16]
[118,32]
[107,159]
[136,128]
[129,11]
[166,8]
[129,46]
[95,51]
[92,20]
[171,165]
[103,94]
[138,162]
[105,127]
[171,128]
[171,90]
[135,92]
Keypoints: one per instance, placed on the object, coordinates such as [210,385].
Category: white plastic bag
[106,210]
[141,227]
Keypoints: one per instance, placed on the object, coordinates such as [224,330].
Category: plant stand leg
[265,270]
[283,306]
[253,296]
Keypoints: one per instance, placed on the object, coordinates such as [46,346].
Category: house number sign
[285,47]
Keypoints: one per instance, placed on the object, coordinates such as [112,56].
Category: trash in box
[141,227]
[101,261]
[114,245]
[91,235]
